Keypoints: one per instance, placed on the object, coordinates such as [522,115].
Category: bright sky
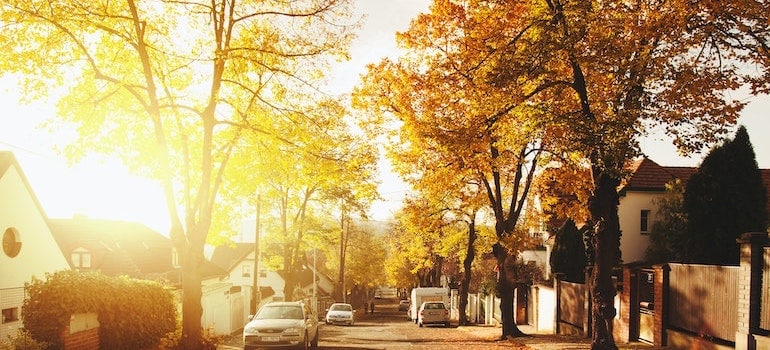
[107,191]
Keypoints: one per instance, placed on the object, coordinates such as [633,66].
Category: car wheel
[446,325]
[419,324]
[305,343]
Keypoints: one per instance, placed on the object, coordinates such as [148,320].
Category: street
[389,328]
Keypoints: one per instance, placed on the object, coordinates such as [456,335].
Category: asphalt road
[389,328]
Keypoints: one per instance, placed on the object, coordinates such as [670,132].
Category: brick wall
[660,288]
[83,340]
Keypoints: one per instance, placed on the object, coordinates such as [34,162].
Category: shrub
[22,341]
[132,313]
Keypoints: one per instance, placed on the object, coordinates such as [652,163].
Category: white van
[424,294]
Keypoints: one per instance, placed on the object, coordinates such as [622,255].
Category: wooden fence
[764,320]
[572,306]
[703,300]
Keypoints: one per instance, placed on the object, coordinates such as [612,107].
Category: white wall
[633,243]
[39,251]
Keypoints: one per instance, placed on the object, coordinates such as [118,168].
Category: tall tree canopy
[172,87]
[455,121]
[597,73]
[724,199]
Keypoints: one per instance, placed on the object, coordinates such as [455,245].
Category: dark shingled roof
[117,247]
[229,255]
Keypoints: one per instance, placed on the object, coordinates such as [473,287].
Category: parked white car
[340,313]
[433,312]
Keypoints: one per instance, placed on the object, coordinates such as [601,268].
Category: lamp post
[315,283]
[256,294]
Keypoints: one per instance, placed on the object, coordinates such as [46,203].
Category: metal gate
[646,308]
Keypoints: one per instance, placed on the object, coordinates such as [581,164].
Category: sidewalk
[540,341]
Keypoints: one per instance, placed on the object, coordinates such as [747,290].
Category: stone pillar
[749,288]
[660,303]
[629,305]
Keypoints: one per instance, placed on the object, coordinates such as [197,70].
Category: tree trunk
[191,300]
[603,206]
[470,255]
[505,288]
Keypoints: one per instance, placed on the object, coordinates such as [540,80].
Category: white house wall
[39,252]
[633,243]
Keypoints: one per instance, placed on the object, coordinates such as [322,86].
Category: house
[121,248]
[29,248]
[116,248]
[237,260]
[637,209]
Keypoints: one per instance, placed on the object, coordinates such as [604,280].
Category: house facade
[29,248]
[637,209]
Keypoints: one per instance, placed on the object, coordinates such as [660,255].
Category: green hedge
[133,314]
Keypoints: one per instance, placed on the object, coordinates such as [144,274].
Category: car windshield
[434,306]
[341,308]
[279,312]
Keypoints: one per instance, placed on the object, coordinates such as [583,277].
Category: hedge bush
[132,314]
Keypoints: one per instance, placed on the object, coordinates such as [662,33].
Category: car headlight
[250,329]
[292,331]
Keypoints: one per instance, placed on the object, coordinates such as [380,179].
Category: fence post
[557,289]
[588,304]
[660,303]
[749,288]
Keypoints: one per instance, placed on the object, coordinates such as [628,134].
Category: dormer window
[81,258]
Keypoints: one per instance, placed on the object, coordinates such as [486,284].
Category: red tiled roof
[647,175]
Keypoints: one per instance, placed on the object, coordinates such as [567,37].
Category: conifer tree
[723,199]
[569,253]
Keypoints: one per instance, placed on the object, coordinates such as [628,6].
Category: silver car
[282,325]
[433,312]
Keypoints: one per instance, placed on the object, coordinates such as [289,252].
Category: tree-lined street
[389,328]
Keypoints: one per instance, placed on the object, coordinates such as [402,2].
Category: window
[644,224]
[81,258]
[11,242]
[246,271]
[10,315]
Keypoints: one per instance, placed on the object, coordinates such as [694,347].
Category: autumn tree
[366,261]
[441,93]
[610,70]
[724,198]
[316,164]
[418,240]
[171,87]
